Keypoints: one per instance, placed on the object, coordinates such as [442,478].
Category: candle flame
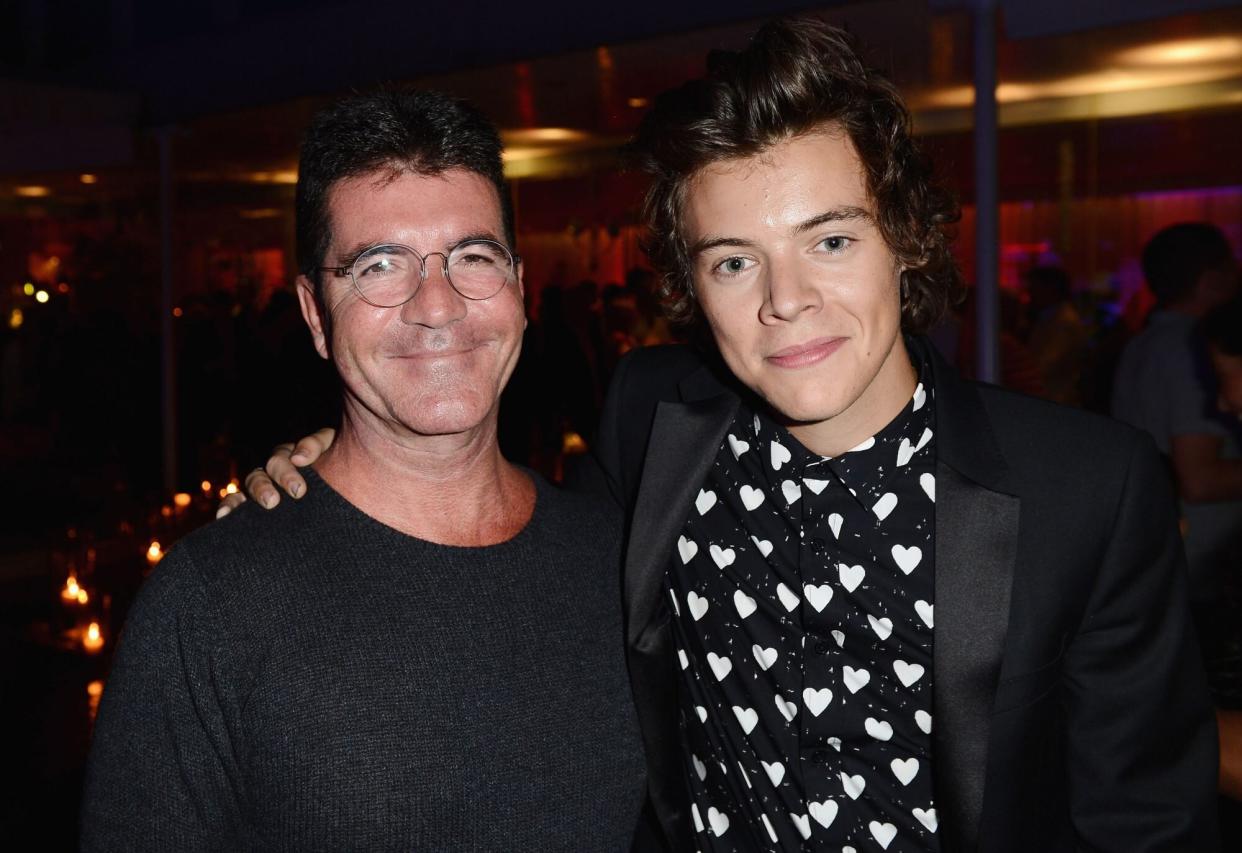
[93,639]
[155,553]
[181,500]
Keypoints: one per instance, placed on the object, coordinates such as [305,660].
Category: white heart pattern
[744,603]
[751,497]
[787,709]
[697,604]
[907,559]
[747,718]
[816,700]
[885,505]
[791,491]
[824,813]
[924,721]
[866,445]
[702,713]
[851,576]
[927,818]
[737,446]
[834,523]
[681,656]
[787,597]
[764,657]
[775,771]
[767,824]
[803,823]
[878,729]
[835,743]
[721,666]
[816,486]
[719,821]
[905,452]
[687,548]
[764,546]
[905,770]
[853,785]
[920,397]
[779,454]
[883,833]
[722,557]
[908,673]
[700,769]
[698,821]
[928,482]
[882,627]
[855,679]
[818,596]
[705,501]
[926,612]
[839,636]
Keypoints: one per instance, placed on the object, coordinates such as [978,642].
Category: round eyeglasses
[389,275]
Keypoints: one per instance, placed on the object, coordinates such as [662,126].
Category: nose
[435,304]
[788,292]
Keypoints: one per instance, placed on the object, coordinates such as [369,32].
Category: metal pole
[168,375]
[987,224]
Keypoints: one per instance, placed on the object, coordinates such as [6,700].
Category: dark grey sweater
[311,679]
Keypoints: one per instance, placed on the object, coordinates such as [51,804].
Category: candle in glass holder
[155,552]
[181,500]
[93,639]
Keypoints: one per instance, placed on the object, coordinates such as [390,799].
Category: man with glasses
[425,653]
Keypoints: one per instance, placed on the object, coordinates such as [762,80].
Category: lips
[806,354]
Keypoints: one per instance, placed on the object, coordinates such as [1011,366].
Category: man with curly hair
[898,608]
[870,605]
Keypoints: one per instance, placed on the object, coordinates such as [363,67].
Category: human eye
[734,265]
[381,262]
[836,243]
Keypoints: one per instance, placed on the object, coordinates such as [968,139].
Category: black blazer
[1071,711]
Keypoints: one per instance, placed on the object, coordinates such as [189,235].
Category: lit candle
[71,591]
[94,690]
[206,485]
[155,553]
[93,639]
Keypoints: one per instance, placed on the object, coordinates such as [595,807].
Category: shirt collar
[866,468]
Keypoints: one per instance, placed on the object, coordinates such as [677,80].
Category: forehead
[407,207]
[785,184]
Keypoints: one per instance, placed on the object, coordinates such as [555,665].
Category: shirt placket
[822,600]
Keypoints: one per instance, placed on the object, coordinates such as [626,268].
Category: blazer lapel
[684,439]
[976,548]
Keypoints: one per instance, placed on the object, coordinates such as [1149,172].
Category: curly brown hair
[796,76]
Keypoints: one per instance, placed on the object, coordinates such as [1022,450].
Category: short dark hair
[395,131]
[796,76]
[1177,257]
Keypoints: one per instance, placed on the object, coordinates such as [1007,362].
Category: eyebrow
[847,213]
[347,257]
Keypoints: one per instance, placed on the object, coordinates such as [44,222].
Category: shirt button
[820,756]
[823,647]
[818,546]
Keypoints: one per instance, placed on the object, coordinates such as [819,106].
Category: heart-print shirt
[803,592]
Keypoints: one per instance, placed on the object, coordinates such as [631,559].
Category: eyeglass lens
[387,276]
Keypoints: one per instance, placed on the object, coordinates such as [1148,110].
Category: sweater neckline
[334,500]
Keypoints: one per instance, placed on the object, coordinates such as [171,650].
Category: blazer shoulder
[1043,431]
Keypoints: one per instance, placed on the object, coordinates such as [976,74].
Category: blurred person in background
[1058,339]
[1164,385]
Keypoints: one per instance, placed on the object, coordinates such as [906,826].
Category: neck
[880,402]
[451,490]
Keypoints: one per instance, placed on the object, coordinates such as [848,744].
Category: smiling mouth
[804,355]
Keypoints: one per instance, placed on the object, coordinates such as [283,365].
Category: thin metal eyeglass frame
[342,272]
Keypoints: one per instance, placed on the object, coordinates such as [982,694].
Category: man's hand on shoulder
[281,470]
